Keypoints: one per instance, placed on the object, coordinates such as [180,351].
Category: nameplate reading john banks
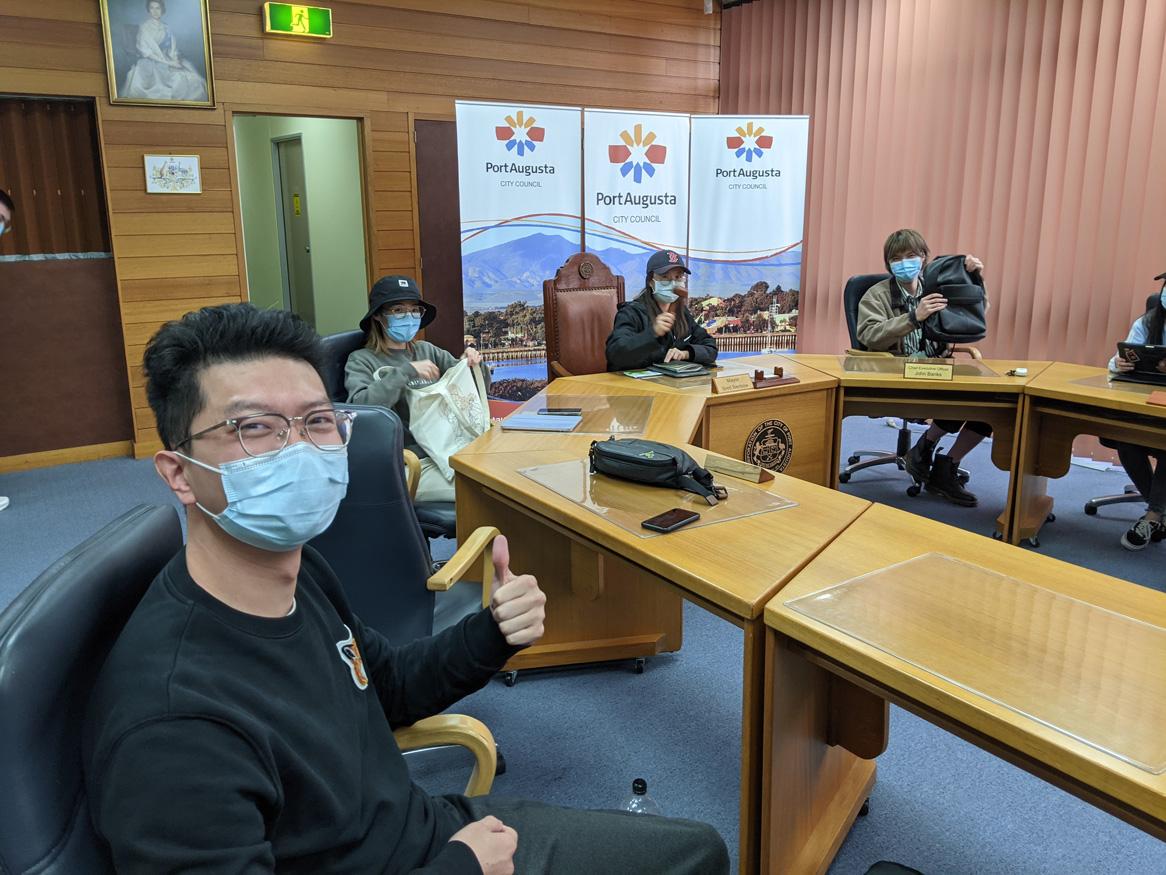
[731,383]
[928,371]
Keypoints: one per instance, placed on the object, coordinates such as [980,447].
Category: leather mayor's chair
[438,519]
[579,306]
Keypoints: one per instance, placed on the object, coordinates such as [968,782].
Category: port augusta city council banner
[635,188]
[746,219]
[519,179]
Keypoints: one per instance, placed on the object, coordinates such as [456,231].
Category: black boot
[944,480]
[918,459]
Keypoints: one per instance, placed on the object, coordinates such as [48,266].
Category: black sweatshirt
[633,342]
[217,741]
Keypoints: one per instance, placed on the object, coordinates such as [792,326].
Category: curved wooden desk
[994,398]
[1065,401]
[611,594]
[827,690]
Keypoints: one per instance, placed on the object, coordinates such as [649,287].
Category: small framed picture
[173,174]
[158,52]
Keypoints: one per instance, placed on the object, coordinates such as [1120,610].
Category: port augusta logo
[751,142]
[639,154]
[520,134]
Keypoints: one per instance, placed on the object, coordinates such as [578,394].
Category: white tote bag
[447,415]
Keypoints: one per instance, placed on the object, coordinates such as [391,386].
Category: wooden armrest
[866,353]
[967,350]
[559,371]
[445,729]
[414,473]
[478,545]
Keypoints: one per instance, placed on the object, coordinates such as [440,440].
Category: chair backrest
[375,544]
[855,288]
[579,306]
[54,638]
[337,348]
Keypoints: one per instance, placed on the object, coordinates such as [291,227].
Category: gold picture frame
[158,52]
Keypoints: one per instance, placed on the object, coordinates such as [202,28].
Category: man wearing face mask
[657,327]
[243,719]
[7,210]
[890,319]
[392,360]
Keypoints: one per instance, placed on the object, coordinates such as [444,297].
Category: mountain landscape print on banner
[496,277]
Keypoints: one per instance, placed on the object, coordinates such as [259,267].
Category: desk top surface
[1130,683]
[997,381]
[735,565]
[809,378]
[1083,384]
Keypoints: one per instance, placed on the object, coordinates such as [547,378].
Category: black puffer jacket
[634,344]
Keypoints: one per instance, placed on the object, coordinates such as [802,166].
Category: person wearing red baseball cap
[657,327]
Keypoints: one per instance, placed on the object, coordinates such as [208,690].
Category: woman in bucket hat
[392,359]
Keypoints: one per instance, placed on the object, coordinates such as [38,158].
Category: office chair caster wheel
[913,489]
[1052,518]
[997,535]
[1091,509]
[843,477]
[510,678]
[500,768]
[1034,542]
[865,810]
[853,460]
[638,665]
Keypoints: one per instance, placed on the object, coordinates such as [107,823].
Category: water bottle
[640,802]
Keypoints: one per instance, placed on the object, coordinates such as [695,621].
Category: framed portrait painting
[158,52]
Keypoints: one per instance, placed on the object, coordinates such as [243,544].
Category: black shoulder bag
[655,464]
[964,320]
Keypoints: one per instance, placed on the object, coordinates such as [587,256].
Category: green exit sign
[295,20]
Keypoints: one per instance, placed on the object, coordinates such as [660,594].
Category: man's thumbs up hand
[516,603]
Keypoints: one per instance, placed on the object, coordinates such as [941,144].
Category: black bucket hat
[394,290]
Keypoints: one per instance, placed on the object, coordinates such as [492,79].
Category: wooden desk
[798,417]
[995,399]
[1065,401]
[611,594]
[826,710]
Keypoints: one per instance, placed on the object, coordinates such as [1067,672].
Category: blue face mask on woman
[402,327]
[907,269]
[280,501]
[664,291]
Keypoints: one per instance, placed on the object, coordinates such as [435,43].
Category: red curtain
[1031,134]
[49,165]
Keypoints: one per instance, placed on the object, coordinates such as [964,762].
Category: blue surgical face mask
[1162,298]
[3,227]
[279,501]
[907,269]
[402,328]
[664,291]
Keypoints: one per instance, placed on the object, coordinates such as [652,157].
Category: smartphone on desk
[670,520]
[560,411]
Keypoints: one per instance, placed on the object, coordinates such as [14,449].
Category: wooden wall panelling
[390,61]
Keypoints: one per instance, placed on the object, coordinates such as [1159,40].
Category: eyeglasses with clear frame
[404,310]
[262,433]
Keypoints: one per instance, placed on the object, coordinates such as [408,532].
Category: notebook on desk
[1149,363]
[540,422]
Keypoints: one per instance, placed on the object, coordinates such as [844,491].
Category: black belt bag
[654,464]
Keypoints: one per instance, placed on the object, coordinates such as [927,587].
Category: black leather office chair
[438,519]
[375,544]
[1130,494]
[54,639]
[852,293]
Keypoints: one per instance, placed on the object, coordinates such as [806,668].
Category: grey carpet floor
[579,737]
